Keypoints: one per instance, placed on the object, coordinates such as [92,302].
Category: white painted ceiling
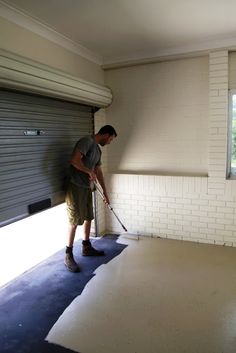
[126,30]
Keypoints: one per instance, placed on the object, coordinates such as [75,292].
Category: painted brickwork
[200,209]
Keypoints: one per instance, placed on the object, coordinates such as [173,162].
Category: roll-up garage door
[37,135]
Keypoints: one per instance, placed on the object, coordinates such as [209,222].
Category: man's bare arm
[76,161]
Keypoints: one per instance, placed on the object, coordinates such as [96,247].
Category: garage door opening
[37,135]
[30,241]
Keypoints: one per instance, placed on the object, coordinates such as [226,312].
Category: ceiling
[116,31]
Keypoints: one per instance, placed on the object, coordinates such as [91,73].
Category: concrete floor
[157,296]
[32,303]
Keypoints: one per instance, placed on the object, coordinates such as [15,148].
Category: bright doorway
[29,241]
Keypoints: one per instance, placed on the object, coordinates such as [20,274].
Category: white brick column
[218,106]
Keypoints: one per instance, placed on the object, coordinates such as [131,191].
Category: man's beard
[102,143]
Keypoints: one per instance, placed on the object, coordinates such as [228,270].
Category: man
[85,170]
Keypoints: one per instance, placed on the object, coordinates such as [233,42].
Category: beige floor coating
[156,296]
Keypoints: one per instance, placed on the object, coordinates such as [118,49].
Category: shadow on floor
[31,304]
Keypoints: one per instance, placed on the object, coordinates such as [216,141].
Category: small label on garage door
[33,132]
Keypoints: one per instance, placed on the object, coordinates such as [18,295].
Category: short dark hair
[107,129]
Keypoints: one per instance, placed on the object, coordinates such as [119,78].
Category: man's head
[105,135]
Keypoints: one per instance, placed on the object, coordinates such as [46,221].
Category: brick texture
[200,209]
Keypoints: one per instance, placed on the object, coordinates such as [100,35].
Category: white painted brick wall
[161,113]
[199,217]
[218,104]
[201,209]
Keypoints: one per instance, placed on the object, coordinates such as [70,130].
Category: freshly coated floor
[32,303]
[156,296]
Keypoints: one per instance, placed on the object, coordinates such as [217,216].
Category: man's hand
[92,176]
[76,161]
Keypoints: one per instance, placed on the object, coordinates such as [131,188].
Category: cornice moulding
[23,20]
[172,53]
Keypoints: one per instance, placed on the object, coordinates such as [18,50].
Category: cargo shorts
[79,204]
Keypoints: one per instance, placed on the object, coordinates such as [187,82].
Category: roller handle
[109,206]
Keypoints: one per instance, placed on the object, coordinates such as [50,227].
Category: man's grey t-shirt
[91,152]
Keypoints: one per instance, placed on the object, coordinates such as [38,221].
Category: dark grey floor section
[32,303]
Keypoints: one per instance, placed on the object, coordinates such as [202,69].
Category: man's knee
[74,226]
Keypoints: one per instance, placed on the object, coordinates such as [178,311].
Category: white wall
[20,41]
[194,208]
[161,114]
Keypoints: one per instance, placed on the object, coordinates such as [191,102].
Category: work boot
[70,262]
[88,250]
